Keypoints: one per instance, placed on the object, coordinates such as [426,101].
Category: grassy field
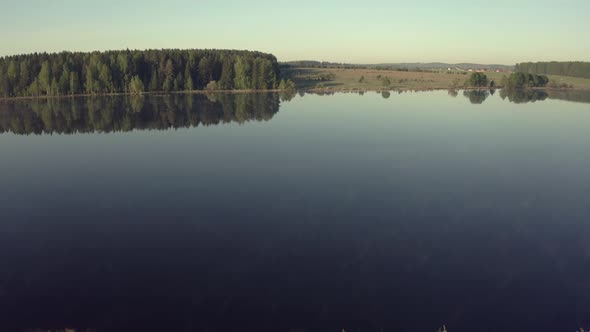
[349,79]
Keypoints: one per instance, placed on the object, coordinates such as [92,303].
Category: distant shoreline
[311,90]
[434,89]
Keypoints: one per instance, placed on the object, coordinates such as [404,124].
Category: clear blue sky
[371,31]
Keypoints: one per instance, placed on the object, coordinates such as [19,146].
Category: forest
[133,71]
[571,68]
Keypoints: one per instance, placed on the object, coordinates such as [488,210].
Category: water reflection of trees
[476,96]
[520,96]
[578,96]
[517,96]
[125,113]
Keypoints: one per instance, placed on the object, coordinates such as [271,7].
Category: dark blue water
[393,212]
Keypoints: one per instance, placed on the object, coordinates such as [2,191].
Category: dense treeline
[575,69]
[126,113]
[522,80]
[67,73]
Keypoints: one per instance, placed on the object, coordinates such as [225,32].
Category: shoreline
[311,90]
[155,93]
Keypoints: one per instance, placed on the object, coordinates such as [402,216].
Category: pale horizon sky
[501,31]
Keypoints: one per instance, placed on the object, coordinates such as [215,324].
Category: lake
[311,212]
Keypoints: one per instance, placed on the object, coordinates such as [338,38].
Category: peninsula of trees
[131,71]
[574,69]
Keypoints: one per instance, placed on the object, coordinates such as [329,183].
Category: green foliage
[34,90]
[64,81]
[136,85]
[290,85]
[45,77]
[286,85]
[575,69]
[54,88]
[362,79]
[112,71]
[477,80]
[242,74]
[227,75]
[522,80]
[386,81]
[154,80]
[89,85]
[179,82]
[189,85]
[212,86]
[167,86]
[74,83]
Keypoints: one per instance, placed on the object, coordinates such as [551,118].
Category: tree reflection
[520,96]
[126,113]
[476,96]
[578,96]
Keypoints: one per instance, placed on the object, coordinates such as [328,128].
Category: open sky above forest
[374,31]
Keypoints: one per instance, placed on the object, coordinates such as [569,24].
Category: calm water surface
[374,212]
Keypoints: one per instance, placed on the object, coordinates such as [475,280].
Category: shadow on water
[127,113]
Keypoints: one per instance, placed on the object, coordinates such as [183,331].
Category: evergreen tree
[242,74]
[179,82]
[189,84]
[34,89]
[227,75]
[25,76]
[12,72]
[64,81]
[154,81]
[206,69]
[74,83]
[136,85]
[106,72]
[45,78]
[167,86]
[105,78]
[54,88]
[89,84]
